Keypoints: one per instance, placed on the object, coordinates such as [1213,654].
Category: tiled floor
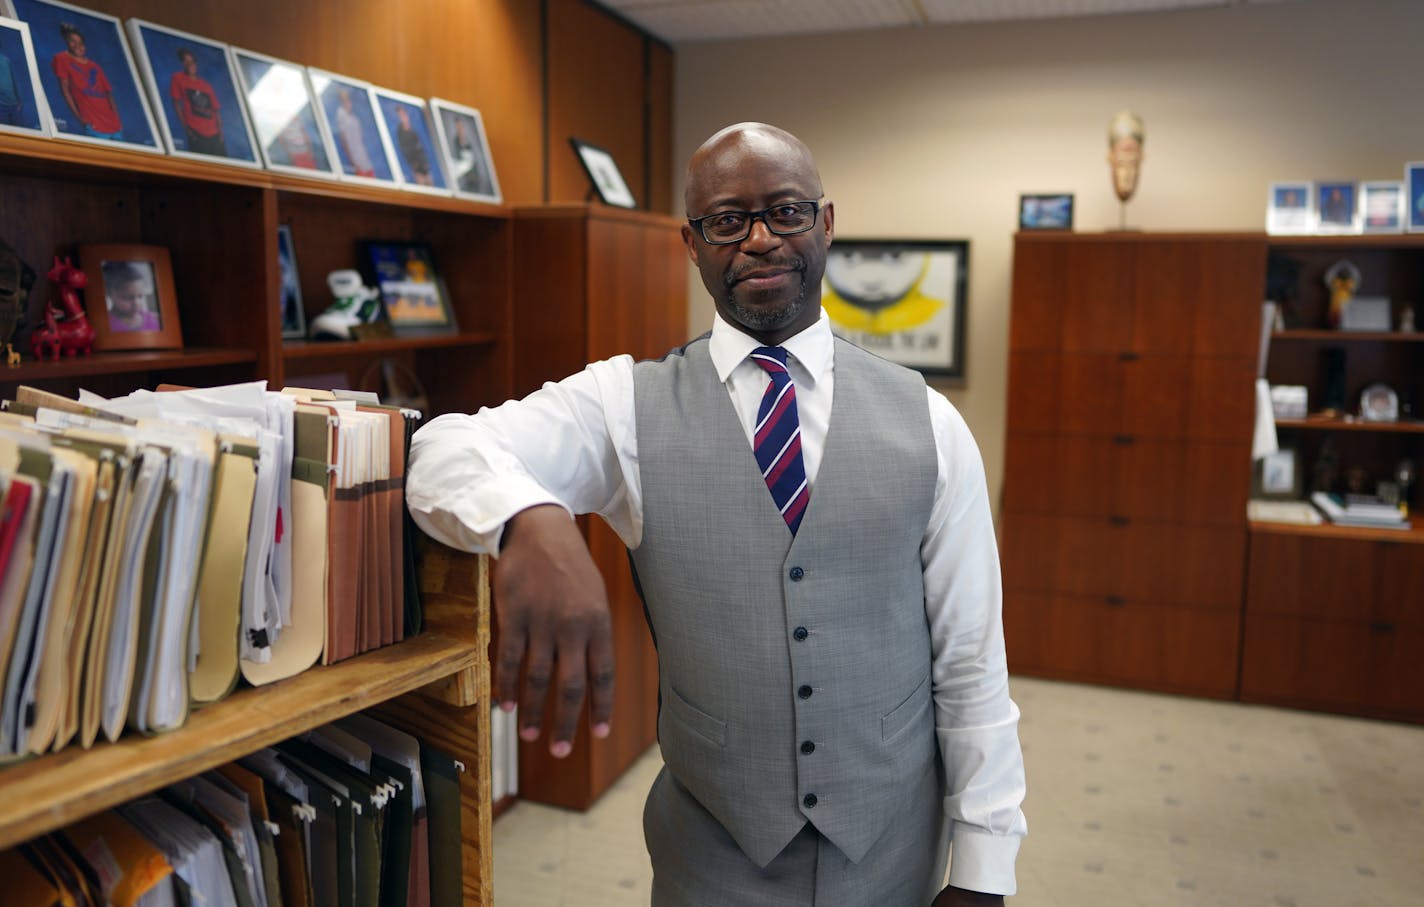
[1134,799]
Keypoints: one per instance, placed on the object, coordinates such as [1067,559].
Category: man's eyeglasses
[785,219]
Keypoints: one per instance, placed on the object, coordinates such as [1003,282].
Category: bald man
[810,532]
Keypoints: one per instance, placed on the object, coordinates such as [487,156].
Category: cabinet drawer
[1188,650]
[1343,579]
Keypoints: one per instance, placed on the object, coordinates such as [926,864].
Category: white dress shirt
[574,443]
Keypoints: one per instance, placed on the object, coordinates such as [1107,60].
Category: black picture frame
[291,311]
[603,173]
[413,292]
[1046,211]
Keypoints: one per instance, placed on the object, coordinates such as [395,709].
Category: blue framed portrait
[407,122]
[1414,196]
[191,83]
[22,104]
[348,109]
[284,117]
[1337,207]
[88,75]
[1046,211]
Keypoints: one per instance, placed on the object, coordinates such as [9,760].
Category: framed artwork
[88,76]
[1414,197]
[1382,206]
[22,102]
[603,172]
[195,95]
[290,135]
[461,132]
[1278,476]
[130,299]
[348,111]
[901,299]
[1336,207]
[412,292]
[1046,212]
[407,122]
[294,317]
[1290,208]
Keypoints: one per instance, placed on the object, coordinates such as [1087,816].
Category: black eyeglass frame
[754,216]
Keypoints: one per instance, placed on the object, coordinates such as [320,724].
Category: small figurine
[66,328]
[1126,136]
[1342,279]
[1406,320]
[356,305]
[16,278]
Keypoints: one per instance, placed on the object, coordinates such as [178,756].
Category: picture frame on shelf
[75,46]
[1278,476]
[904,300]
[193,87]
[1046,211]
[603,173]
[1379,403]
[407,121]
[460,131]
[358,136]
[1382,206]
[23,108]
[1290,208]
[130,300]
[1337,207]
[290,135]
[413,293]
[293,315]
[1414,196]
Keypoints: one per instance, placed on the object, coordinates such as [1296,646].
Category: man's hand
[958,897]
[553,617]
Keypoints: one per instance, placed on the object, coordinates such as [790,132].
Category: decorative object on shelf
[23,108]
[1327,466]
[1379,403]
[905,300]
[66,329]
[354,305]
[1382,206]
[1414,197]
[131,288]
[193,86]
[1126,138]
[348,110]
[461,131]
[1289,401]
[16,279]
[1342,279]
[1046,212]
[90,82]
[396,384]
[294,317]
[1366,313]
[290,135]
[407,122]
[412,290]
[1336,207]
[1279,476]
[1405,474]
[1289,208]
[1406,320]
[607,180]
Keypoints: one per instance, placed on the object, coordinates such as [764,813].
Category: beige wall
[933,133]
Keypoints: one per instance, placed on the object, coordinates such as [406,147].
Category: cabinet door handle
[1117,520]
[1382,627]
[1128,356]
[1115,601]
[1124,440]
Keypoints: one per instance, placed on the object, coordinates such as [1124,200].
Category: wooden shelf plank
[1349,241]
[303,349]
[1338,424]
[1349,336]
[113,363]
[1414,535]
[52,791]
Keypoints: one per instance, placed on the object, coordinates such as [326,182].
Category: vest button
[809,801]
[800,633]
[796,574]
[805,691]
[807,747]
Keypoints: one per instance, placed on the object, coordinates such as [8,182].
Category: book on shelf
[1359,510]
[1298,512]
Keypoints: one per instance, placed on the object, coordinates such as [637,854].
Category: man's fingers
[538,673]
[568,699]
[600,678]
[508,661]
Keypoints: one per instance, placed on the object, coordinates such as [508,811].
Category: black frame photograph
[293,315]
[290,134]
[348,110]
[904,300]
[1046,211]
[413,292]
[460,131]
[25,111]
[603,173]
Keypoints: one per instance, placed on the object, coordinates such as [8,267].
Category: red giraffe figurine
[66,328]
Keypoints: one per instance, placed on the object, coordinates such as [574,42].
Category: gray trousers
[696,863]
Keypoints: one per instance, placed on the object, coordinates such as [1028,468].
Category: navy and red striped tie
[777,439]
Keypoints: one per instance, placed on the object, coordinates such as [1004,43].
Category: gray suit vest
[794,674]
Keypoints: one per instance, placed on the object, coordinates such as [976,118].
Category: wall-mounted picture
[1046,212]
[904,300]
[294,317]
[284,115]
[412,290]
[1290,208]
[22,102]
[1337,207]
[348,108]
[407,122]
[1382,206]
[195,94]
[88,75]
[1414,197]
[604,174]
[461,132]
[130,298]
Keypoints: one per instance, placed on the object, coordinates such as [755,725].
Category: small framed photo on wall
[1290,208]
[461,132]
[130,299]
[1382,206]
[1414,197]
[603,172]
[348,108]
[88,75]
[1337,207]
[22,102]
[1046,212]
[407,122]
[195,95]
[290,135]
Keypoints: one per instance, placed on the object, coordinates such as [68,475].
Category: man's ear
[828,221]
[690,240]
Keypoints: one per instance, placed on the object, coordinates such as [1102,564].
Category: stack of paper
[1354,511]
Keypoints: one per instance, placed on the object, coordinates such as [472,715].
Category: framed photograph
[1290,208]
[1278,476]
[1414,197]
[901,299]
[461,132]
[1046,212]
[130,299]
[412,292]
[1382,206]
[1337,208]
[290,135]
[88,76]
[294,317]
[23,108]
[407,122]
[348,111]
[195,94]
[603,172]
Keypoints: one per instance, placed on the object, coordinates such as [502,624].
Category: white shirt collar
[813,348]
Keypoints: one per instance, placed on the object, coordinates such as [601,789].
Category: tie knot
[772,359]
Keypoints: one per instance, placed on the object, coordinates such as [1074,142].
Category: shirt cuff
[983,862]
[461,523]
